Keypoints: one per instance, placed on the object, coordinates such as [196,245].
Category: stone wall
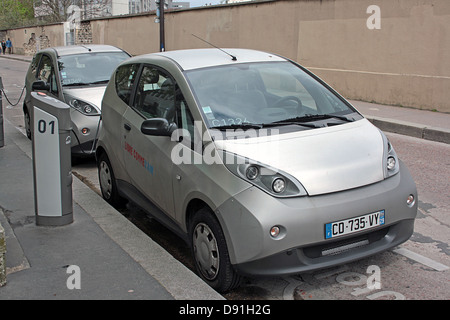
[83,33]
[36,43]
[28,40]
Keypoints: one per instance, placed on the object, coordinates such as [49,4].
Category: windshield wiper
[238,126]
[303,120]
[76,84]
[99,82]
[314,117]
[289,122]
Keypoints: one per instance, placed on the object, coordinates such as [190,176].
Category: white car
[76,75]
[258,164]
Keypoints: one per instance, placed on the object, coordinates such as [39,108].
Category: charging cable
[94,144]
[13,104]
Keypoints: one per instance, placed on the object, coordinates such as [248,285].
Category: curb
[411,129]
[2,257]
[17,58]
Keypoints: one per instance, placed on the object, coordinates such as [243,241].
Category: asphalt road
[418,269]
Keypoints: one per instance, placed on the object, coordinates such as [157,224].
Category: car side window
[34,64]
[46,72]
[124,79]
[184,119]
[155,94]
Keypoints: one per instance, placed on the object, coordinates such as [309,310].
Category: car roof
[77,49]
[200,58]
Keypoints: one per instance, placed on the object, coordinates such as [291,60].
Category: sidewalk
[423,124]
[116,260]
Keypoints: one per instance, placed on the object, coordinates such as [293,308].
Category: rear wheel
[108,185]
[210,252]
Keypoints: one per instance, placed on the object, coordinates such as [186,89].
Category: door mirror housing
[158,127]
[40,85]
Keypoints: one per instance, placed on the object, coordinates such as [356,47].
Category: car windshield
[89,68]
[266,93]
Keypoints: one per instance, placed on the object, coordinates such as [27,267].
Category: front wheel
[210,252]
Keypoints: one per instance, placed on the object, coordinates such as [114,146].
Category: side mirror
[40,85]
[158,127]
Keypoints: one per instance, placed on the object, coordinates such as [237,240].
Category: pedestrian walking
[3,46]
[9,45]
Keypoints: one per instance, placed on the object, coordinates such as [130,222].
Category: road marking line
[288,292]
[421,259]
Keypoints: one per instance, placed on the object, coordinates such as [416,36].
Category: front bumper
[82,143]
[248,217]
[309,258]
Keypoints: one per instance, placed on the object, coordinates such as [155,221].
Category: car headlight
[252,172]
[273,181]
[391,163]
[83,107]
[390,159]
[278,185]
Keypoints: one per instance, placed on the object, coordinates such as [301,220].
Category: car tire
[27,120]
[210,252]
[108,185]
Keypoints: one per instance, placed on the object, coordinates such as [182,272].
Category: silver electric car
[78,76]
[258,164]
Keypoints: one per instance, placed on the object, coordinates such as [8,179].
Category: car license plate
[343,227]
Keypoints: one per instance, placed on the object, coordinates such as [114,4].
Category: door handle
[127,126]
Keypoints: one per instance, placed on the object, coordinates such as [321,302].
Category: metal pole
[161,25]
[2,135]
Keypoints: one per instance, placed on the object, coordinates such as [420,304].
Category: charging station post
[52,166]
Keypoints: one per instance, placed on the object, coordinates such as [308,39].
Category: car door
[148,158]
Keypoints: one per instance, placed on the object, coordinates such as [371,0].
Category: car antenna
[89,49]
[232,57]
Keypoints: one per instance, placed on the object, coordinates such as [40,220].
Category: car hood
[93,95]
[323,160]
